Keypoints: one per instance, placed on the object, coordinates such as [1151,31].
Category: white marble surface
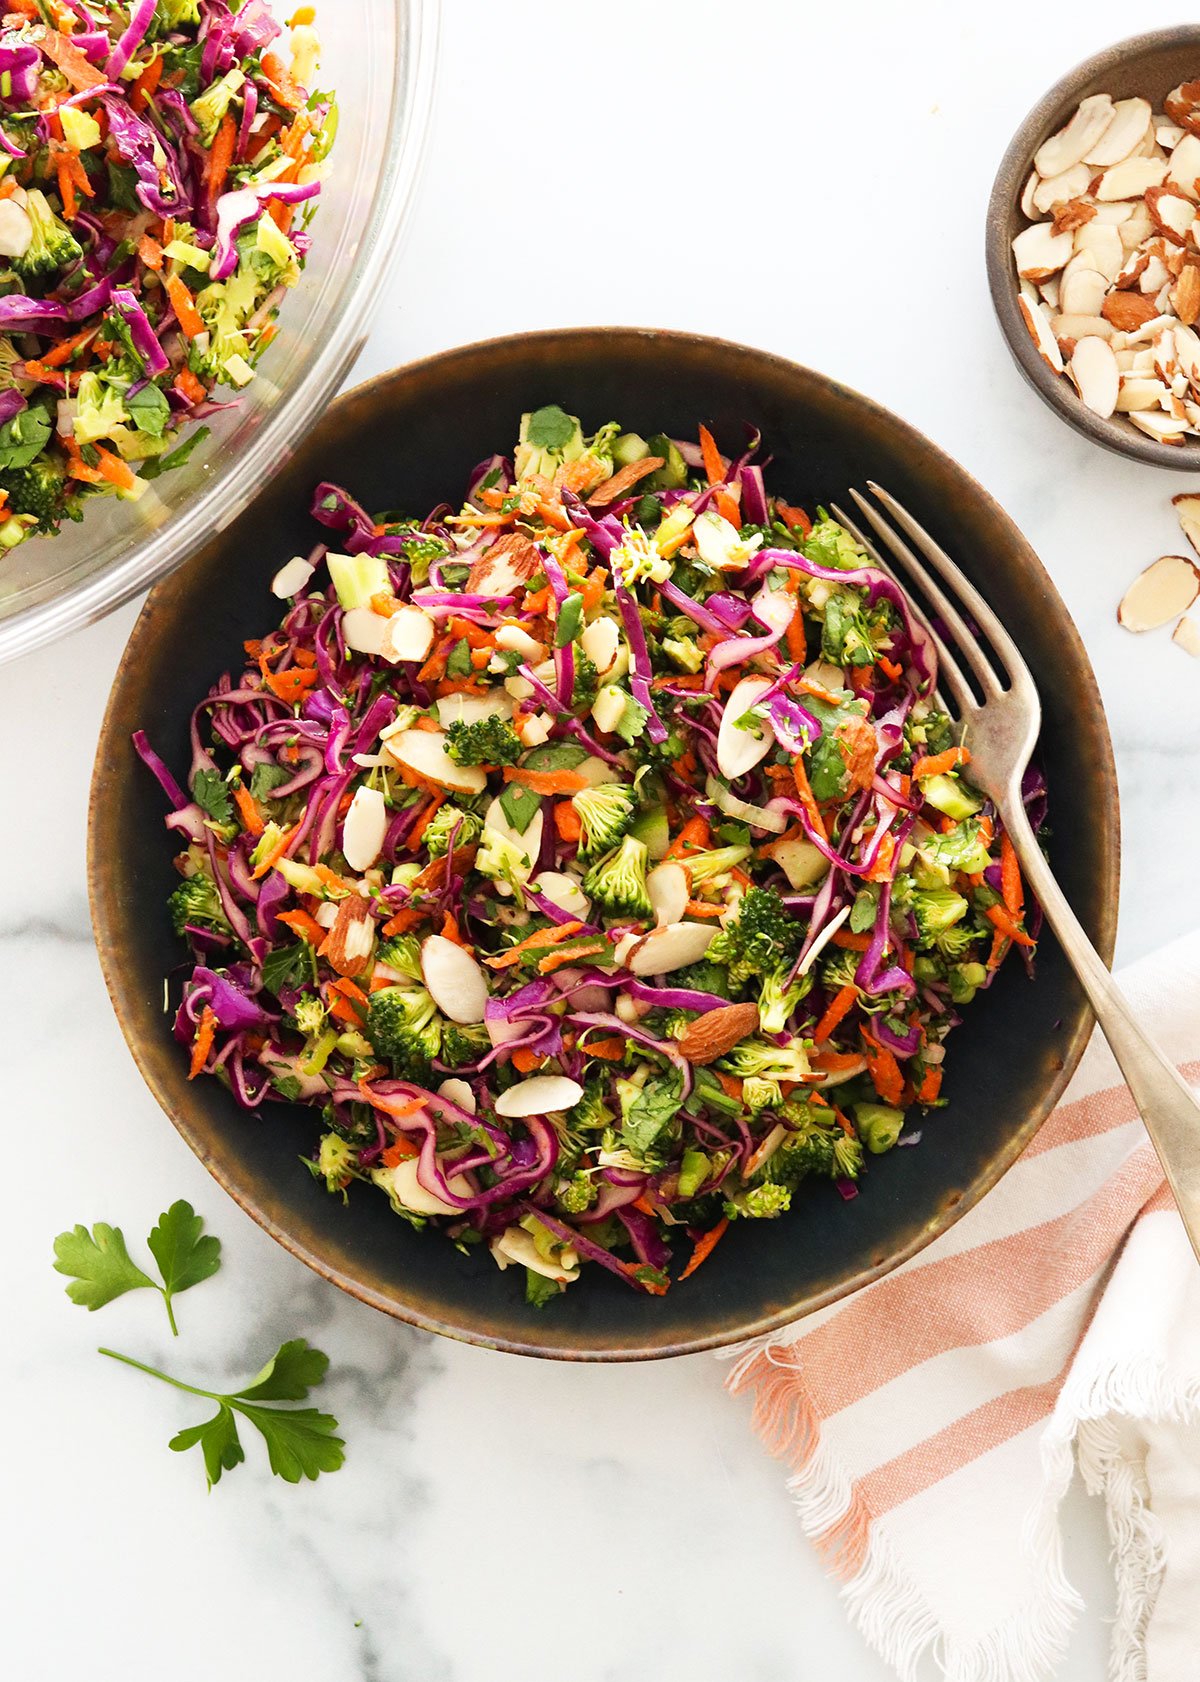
[819,187]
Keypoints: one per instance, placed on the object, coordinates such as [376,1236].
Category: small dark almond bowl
[409,439]
[1149,65]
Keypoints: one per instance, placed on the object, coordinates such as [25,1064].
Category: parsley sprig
[300,1441]
[101,1269]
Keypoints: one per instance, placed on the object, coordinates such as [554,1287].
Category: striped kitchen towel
[932,1421]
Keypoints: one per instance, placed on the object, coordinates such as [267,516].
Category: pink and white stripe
[932,1421]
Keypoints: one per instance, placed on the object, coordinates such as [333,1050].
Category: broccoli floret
[637,559]
[549,438]
[53,246]
[100,407]
[309,1015]
[175,14]
[760,1202]
[839,969]
[404,1026]
[488,741]
[831,545]
[965,981]
[759,1093]
[807,1152]
[703,867]
[847,1156]
[754,1057]
[605,813]
[776,1001]
[39,490]
[854,634]
[503,861]
[402,952]
[686,654]
[197,901]
[936,910]
[336,1163]
[618,883]
[463,1046]
[213,103]
[957,940]
[706,977]
[593,1112]
[763,938]
[578,1193]
[444,823]
[587,683]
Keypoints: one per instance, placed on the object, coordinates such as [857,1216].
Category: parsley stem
[192,1390]
[166,1296]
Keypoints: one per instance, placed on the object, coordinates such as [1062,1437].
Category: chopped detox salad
[159,165]
[595,859]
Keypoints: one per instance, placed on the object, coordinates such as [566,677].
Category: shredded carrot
[566,821]
[283,85]
[450,929]
[807,799]
[221,156]
[556,960]
[116,471]
[404,920]
[247,806]
[937,764]
[349,990]
[191,322]
[401,1149]
[881,870]
[191,387]
[818,691]
[731,1086]
[66,348]
[150,252]
[851,942]
[705,1246]
[331,879]
[545,782]
[931,1084]
[612,1050]
[1001,919]
[525,1061]
[697,908]
[277,851]
[1000,945]
[78,70]
[714,467]
[66,191]
[593,590]
[834,1062]
[795,518]
[797,645]
[728,509]
[533,943]
[1010,877]
[306,926]
[890,668]
[206,1033]
[147,84]
[885,1073]
[694,837]
[840,1007]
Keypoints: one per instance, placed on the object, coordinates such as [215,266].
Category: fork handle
[1168,1108]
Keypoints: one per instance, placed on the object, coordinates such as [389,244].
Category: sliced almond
[1136,227]
[407,1189]
[539,1095]
[348,945]
[1185,294]
[1187,635]
[740,750]
[364,630]
[1127,311]
[1103,247]
[601,642]
[364,829]
[456,984]
[1164,429]
[710,1036]
[1029,209]
[1187,353]
[1034,317]
[667,885]
[1070,328]
[1154,276]
[458,1092]
[1138,392]
[1094,370]
[674,946]
[564,891]
[1073,214]
[1131,179]
[503,567]
[1127,128]
[292,577]
[1184,166]
[1171,213]
[623,481]
[1040,252]
[408,635]
[1183,104]
[1187,510]
[1167,134]
[1057,190]
[1048,291]
[423,754]
[1072,143]
[468,709]
[1166,589]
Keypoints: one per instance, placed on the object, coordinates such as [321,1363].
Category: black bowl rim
[1055,389]
[103,902]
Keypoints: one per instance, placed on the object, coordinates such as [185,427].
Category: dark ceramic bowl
[409,439]
[1149,65]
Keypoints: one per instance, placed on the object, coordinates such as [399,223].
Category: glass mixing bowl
[379,56]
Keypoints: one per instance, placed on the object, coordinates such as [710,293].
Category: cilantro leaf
[550,428]
[149,411]
[459,663]
[519,805]
[98,1265]
[827,770]
[646,1110]
[23,438]
[186,1256]
[210,791]
[285,966]
[219,1443]
[863,911]
[632,721]
[265,777]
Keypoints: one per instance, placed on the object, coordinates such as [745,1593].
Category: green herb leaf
[632,721]
[266,777]
[219,1442]
[24,437]
[177,457]
[149,411]
[862,914]
[539,1290]
[459,663]
[550,428]
[294,1370]
[98,1265]
[300,1441]
[647,1110]
[186,1256]
[211,793]
[569,622]
[827,770]
[519,805]
[286,966]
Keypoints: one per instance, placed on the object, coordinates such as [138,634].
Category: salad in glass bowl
[595,858]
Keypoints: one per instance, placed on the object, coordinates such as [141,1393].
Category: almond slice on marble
[456,984]
[1093,368]
[1034,317]
[1130,179]
[1058,189]
[1184,167]
[1171,213]
[1164,429]
[1040,252]
[1071,144]
[1187,509]
[1166,589]
[1127,311]
[1187,635]
[710,1036]
[1185,294]
[1127,128]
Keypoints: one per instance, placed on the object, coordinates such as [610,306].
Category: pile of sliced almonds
[1169,586]
[1109,265]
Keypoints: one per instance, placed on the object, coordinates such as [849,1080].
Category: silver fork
[1003,730]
